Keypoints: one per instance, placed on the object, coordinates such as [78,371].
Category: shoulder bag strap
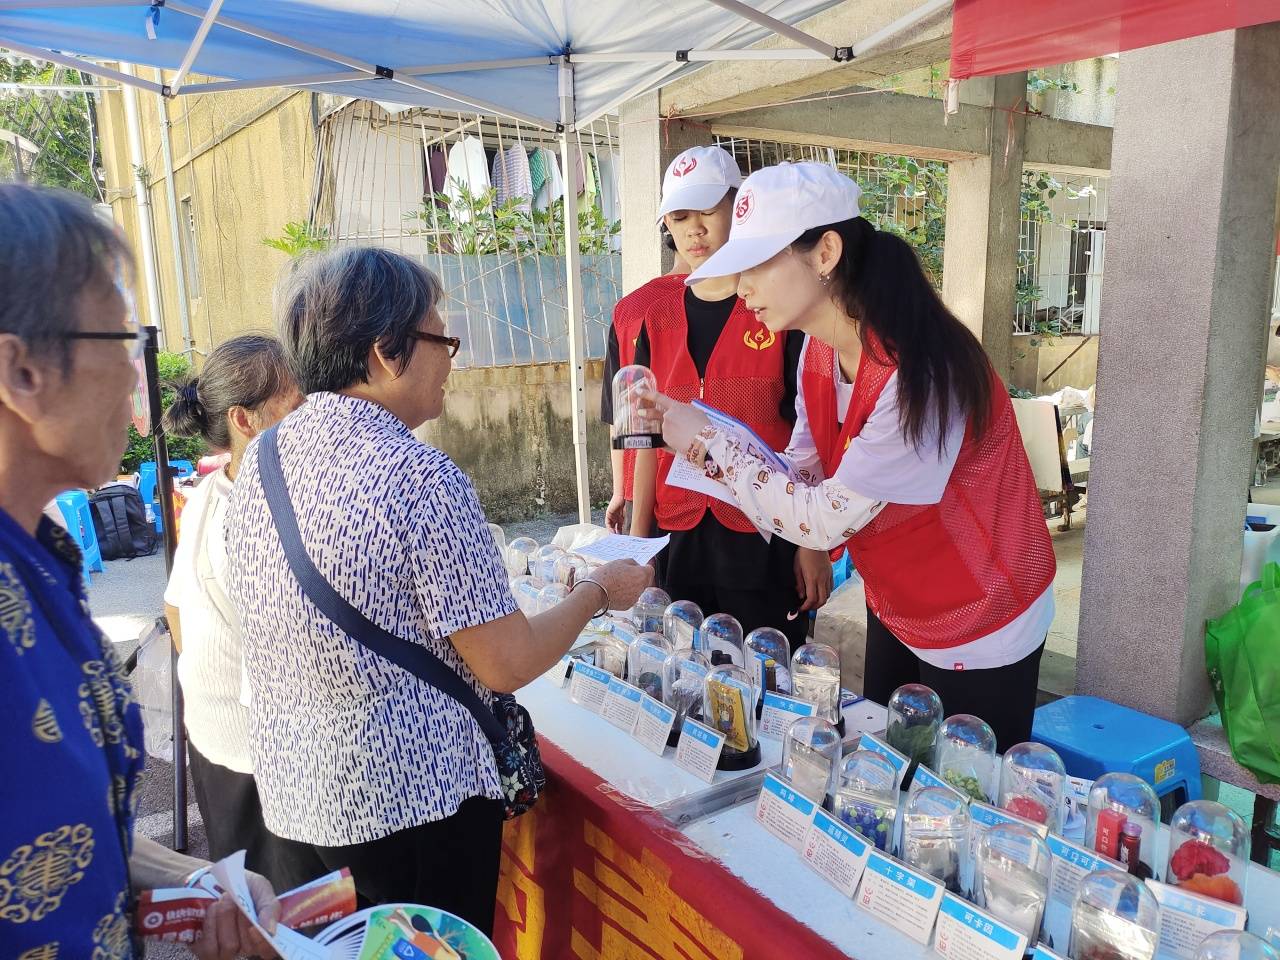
[413,657]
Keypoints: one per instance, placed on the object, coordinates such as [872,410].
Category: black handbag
[506,724]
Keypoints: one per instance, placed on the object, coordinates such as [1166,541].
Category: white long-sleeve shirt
[879,467]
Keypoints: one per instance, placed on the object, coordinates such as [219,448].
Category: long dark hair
[245,371]
[941,365]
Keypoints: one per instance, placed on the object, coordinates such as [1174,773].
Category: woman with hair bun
[245,388]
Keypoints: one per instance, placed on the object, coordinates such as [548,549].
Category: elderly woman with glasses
[70,731]
[361,763]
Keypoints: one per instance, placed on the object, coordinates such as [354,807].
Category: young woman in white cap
[702,342]
[905,449]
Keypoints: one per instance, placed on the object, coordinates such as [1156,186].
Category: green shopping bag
[1242,654]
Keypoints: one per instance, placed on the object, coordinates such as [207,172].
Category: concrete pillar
[980,256]
[1190,242]
[648,145]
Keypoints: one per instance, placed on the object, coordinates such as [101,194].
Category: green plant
[60,125]
[299,239]
[909,200]
[170,367]
[1038,81]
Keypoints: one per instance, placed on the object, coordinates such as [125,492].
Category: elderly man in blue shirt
[70,731]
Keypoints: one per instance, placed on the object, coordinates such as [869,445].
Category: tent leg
[577,332]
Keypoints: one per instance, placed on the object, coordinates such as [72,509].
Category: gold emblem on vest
[762,339]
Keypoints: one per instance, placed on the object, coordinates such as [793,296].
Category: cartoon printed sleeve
[820,516]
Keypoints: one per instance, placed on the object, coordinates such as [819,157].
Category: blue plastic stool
[147,485]
[1095,736]
[75,508]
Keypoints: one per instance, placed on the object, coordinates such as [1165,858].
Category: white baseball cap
[774,206]
[698,179]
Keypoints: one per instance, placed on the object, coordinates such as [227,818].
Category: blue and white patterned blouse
[347,747]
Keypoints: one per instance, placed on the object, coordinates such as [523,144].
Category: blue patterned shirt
[347,747]
[70,755]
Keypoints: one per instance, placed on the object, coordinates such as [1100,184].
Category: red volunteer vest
[955,571]
[628,319]
[744,378]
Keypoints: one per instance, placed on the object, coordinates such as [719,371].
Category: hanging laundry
[512,176]
[590,191]
[468,173]
[548,185]
[608,166]
[437,174]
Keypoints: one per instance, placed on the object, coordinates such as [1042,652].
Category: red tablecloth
[592,874]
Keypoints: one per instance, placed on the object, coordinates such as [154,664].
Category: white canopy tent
[554,64]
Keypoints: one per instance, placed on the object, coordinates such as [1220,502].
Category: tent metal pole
[698,56]
[296,80]
[781,28]
[480,106]
[193,51]
[76,63]
[573,295]
[901,25]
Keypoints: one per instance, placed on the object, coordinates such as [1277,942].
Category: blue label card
[905,899]
[589,686]
[699,748]
[967,933]
[983,816]
[836,852]
[1187,918]
[900,761]
[780,712]
[924,777]
[1041,952]
[784,811]
[1069,864]
[653,724]
[621,704]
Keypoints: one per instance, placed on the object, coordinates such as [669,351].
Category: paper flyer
[618,547]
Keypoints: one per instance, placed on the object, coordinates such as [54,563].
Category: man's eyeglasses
[135,338]
[453,343]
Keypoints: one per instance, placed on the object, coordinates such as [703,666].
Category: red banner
[592,875]
[1005,36]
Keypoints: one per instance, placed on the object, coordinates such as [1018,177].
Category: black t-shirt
[711,553]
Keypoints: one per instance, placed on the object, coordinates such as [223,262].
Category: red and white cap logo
[744,207]
[684,166]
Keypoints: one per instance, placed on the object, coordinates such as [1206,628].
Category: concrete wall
[1033,363]
[509,429]
[245,162]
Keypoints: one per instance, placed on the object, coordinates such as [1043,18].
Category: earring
[825,278]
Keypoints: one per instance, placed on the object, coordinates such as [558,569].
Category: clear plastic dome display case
[543,562]
[866,798]
[720,638]
[518,556]
[1235,945]
[683,675]
[613,649]
[728,707]
[569,568]
[914,716]
[649,608]
[935,833]
[634,428]
[550,595]
[810,755]
[965,757]
[645,660]
[680,623]
[815,678]
[1121,821]
[1032,782]
[1208,851]
[769,660]
[526,589]
[1011,877]
[1115,917]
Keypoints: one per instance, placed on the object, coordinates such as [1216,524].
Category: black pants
[449,864]
[232,815]
[1005,697]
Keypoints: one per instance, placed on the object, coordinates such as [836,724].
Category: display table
[621,860]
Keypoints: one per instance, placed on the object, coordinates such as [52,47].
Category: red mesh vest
[744,378]
[628,319]
[955,571]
